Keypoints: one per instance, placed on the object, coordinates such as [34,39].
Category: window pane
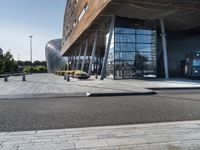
[124,38]
[149,56]
[144,39]
[129,65]
[149,32]
[127,47]
[124,55]
[144,47]
[124,30]
[117,47]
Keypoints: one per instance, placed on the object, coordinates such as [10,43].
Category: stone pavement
[50,85]
[159,136]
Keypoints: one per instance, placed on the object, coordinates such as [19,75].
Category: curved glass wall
[53,56]
[132,53]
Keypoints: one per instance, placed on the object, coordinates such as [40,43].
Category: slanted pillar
[75,56]
[79,58]
[164,44]
[103,72]
[85,53]
[93,53]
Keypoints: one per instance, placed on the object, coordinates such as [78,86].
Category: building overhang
[179,15]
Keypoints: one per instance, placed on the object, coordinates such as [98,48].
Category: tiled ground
[161,136]
[52,84]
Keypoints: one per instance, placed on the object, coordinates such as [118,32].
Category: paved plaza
[160,136]
[42,85]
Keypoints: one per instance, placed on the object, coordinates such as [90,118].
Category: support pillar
[93,53]
[108,48]
[85,53]
[164,44]
[79,58]
[74,64]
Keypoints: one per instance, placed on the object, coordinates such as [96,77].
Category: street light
[31,57]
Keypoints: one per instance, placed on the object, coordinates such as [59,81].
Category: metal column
[79,58]
[108,48]
[93,53]
[75,56]
[164,44]
[85,53]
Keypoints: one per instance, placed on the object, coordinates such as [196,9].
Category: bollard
[68,78]
[96,76]
[65,77]
[23,77]
[6,78]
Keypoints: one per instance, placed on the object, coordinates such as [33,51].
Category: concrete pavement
[50,85]
[159,136]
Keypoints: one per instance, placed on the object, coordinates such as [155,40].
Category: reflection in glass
[125,30]
[133,53]
[125,38]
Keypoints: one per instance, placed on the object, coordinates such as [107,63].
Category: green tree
[20,63]
[1,64]
[7,63]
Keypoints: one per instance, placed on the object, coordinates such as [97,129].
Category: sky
[43,19]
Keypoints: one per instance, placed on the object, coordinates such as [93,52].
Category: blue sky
[20,18]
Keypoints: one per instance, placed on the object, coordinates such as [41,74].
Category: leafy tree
[7,63]
[1,64]
[27,63]
[20,63]
[39,63]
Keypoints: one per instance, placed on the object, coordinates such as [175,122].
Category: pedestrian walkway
[160,136]
[50,85]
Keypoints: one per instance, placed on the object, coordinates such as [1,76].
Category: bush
[38,69]
[81,75]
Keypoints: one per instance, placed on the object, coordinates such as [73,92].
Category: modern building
[53,56]
[131,38]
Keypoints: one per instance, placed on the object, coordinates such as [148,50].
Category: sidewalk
[160,136]
[50,85]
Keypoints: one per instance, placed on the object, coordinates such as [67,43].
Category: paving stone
[65,146]
[160,136]
[51,85]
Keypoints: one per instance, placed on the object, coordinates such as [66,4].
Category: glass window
[134,53]
[124,38]
[124,47]
[128,74]
[127,47]
[111,56]
[119,65]
[124,55]
[85,8]
[117,47]
[128,65]
[144,39]
[125,30]
[144,47]
[141,31]
[196,62]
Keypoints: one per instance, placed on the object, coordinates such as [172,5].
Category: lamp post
[31,49]
[31,57]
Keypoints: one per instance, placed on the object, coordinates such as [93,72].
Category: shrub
[81,75]
[38,69]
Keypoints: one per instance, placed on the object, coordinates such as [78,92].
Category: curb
[38,96]
[120,94]
[175,88]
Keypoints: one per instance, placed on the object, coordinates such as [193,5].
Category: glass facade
[132,53]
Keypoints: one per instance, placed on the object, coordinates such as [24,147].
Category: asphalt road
[56,113]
